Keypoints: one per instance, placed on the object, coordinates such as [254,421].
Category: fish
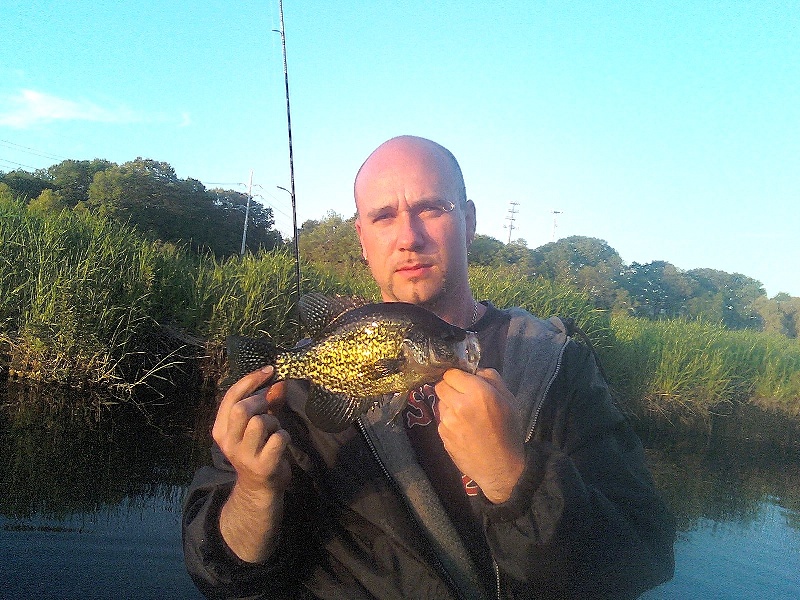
[359,354]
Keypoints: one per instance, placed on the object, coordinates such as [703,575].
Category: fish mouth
[469,353]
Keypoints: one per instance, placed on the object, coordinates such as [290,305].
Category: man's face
[413,225]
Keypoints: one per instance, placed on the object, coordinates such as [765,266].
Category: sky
[671,130]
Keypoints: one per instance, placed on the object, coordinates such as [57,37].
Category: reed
[692,369]
[76,296]
[541,297]
[84,301]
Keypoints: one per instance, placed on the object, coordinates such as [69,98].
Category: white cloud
[30,107]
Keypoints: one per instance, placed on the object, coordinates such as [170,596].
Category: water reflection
[59,456]
[92,493]
[738,510]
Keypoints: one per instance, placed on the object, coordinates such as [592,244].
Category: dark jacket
[362,519]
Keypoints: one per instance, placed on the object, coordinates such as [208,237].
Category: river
[91,499]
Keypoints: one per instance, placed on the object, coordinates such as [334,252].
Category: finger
[258,430]
[276,444]
[242,413]
[276,395]
[492,377]
[246,385]
[457,379]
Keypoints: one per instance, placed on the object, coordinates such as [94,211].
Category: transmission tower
[555,216]
[510,218]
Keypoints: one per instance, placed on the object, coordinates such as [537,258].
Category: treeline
[655,291]
[149,195]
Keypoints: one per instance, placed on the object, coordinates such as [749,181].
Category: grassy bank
[85,302]
[689,369]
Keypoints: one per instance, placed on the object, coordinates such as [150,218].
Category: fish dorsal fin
[246,354]
[317,310]
[333,412]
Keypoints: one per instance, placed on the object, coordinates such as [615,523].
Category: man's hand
[481,430]
[252,440]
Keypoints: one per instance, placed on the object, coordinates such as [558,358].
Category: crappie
[358,354]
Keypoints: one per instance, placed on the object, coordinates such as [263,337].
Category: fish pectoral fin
[385,367]
[334,412]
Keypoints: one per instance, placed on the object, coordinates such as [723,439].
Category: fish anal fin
[334,412]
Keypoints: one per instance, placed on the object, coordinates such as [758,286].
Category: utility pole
[510,218]
[555,215]
[247,212]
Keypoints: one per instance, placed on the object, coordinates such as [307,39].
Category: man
[520,481]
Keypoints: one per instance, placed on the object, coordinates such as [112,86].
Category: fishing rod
[291,191]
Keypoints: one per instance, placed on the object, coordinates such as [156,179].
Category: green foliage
[331,242]
[48,201]
[689,369]
[85,299]
[75,298]
[24,185]
[509,287]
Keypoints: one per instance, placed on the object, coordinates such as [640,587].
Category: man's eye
[382,217]
[437,209]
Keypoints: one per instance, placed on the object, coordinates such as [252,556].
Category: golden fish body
[363,354]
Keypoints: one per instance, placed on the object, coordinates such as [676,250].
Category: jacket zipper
[440,567]
[544,396]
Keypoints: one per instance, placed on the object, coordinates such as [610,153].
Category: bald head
[411,151]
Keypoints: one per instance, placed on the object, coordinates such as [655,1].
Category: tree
[72,178]
[587,263]
[231,208]
[49,201]
[657,289]
[332,242]
[726,297]
[148,194]
[25,184]
[485,250]
[780,314]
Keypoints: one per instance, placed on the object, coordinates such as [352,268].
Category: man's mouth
[413,269]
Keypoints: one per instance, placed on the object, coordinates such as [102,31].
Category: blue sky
[669,129]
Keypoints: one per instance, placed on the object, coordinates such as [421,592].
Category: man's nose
[411,231]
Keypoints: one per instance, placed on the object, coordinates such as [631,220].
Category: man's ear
[470,221]
[360,240]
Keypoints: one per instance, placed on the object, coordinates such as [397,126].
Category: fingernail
[268,369]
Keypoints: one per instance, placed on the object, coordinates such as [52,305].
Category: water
[90,506]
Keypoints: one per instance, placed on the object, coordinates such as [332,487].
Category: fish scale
[341,372]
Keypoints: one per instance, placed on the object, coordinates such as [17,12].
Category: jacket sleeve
[584,520]
[215,569]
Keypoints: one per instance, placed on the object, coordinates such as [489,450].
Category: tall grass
[693,369]
[76,295]
[89,302]
[505,288]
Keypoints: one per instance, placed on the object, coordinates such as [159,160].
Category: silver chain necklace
[474,312]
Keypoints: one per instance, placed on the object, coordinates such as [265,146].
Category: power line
[34,151]
[11,162]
